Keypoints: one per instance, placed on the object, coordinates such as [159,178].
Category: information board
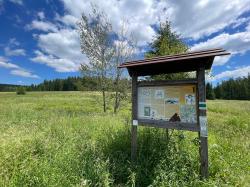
[170,103]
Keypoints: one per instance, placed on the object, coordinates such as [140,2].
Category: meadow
[64,139]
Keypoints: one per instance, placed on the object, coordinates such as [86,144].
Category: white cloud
[20,2]
[14,42]
[240,21]
[42,25]
[23,73]
[237,43]
[68,20]
[15,69]
[41,15]
[60,50]
[11,50]
[221,60]
[59,64]
[7,65]
[60,46]
[141,14]
[239,72]
[193,18]
[198,18]
[14,52]
[64,44]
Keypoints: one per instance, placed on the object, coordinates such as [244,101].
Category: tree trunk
[104,100]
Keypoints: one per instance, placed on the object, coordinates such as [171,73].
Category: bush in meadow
[20,91]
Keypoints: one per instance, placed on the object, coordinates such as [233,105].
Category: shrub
[20,91]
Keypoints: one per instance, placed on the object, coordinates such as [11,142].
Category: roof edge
[184,56]
[191,53]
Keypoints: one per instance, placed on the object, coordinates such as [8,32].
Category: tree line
[8,87]
[238,89]
[71,84]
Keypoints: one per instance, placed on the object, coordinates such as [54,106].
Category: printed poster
[163,102]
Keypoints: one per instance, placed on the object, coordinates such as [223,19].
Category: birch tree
[106,49]
[96,43]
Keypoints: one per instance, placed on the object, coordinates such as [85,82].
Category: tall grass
[64,139]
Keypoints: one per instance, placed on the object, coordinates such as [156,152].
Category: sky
[38,38]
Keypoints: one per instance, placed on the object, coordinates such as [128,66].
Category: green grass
[64,139]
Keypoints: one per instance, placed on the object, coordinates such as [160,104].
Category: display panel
[170,103]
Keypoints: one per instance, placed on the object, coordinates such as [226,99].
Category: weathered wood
[134,117]
[203,140]
[174,56]
[198,61]
[167,82]
[171,58]
[169,125]
[172,64]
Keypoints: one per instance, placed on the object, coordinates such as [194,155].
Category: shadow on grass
[159,161]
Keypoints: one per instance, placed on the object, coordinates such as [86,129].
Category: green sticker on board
[202,106]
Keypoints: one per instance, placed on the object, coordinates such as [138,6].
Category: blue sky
[38,39]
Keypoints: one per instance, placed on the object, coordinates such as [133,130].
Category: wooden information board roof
[184,62]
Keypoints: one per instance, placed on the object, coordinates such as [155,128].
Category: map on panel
[171,103]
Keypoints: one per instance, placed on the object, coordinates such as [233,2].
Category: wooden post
[202,118]
[134,119]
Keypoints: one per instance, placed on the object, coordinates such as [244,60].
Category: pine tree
[217,91]
[167,42]
[209,91]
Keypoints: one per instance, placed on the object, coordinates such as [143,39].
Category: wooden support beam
[134,119]
[202,118]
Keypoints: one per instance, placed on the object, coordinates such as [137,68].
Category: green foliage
[20,91]
[234,89]
[167,42]
[105,49]
[64,139]
[70,84]
[8,87]
[95,31]
[209,91]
